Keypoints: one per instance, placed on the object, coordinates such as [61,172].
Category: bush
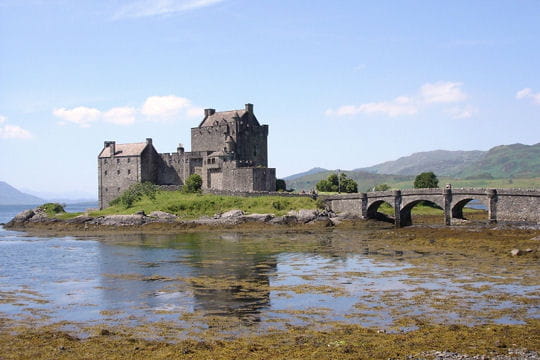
[381,187]
[193,184]
[281,185]
[52,209]
[426,180]
[135,193]
[335,184]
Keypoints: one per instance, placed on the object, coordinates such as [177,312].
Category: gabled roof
[134,149]
[227,116]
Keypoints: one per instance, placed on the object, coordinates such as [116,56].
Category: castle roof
[221,116]
[133,149]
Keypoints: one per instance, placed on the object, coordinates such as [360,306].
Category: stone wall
[518,205]
[116,174]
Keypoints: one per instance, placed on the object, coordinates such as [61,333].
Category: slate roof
[228,116]
[134,149]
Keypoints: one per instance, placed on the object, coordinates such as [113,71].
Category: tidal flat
[361,290]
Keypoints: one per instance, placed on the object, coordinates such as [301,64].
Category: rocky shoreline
[38,219]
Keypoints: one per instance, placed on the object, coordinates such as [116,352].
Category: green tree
[335,184]
[381,187]
[281,185]
[193,184]
[426,180]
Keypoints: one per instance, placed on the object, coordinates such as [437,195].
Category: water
[266,280]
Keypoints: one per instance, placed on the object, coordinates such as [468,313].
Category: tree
[381,187]
[426,180]
[335,184]
[193,184]
[281,185]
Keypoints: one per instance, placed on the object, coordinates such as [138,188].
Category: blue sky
[342,84]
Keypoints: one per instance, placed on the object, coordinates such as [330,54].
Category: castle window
[105,161]
[118,172]
[129,171]
[118,161]
[105,172]
[129,159]
[118,189]
[106,190]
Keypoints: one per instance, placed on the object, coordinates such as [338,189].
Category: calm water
[264,280]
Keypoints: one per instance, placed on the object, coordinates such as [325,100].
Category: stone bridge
[513,205]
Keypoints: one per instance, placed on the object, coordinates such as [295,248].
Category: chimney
[249,108]
[112,146]
[208,112]
[180,149]
[148,141]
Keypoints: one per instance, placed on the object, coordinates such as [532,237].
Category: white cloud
[164,106]
[462,112]
[442,92]
[13,131]
[399,106]
[120,115]
[527,93]
[146,8]
[154,108]
[82,115]
[429,94]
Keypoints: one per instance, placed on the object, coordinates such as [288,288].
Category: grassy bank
[197,205]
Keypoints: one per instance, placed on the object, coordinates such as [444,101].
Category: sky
[342,84]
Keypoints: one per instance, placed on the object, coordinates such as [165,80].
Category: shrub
[52,209]
[281,185]
[193,184]
[381,187]
[135,193]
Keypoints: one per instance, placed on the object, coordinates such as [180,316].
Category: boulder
[23,216]
[258,217]
[232,214]
[162,215]
[515,252]
[304,215]
[121,220]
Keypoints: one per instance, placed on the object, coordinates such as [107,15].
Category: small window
[118,161]
[118,172]
[105,161]
[106,190]
[105,172]
[118,189]
[129,160]
[129,171]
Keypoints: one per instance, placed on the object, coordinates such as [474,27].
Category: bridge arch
[459,203]
[373,213]
[405,214]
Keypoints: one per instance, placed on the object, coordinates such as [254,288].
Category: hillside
[313,171]
[441,162]
[506,161]
[11,196]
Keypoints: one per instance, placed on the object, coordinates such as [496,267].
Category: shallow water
[198,281]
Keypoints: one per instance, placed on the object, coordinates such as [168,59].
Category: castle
[228,150]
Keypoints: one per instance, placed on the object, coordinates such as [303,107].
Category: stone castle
[228,150]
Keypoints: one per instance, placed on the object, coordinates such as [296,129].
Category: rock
[141,212]
[304,215]
[23,216]
[347,216]
[284,220]
[515,252]
[162,215]
[529,250]
[232,214]
[120,220]
[81,219]
[258,217]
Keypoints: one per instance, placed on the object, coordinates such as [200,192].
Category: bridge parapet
[521,205]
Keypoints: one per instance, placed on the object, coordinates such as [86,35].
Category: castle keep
[229,152]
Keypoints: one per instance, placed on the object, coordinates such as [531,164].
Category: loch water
[262,279]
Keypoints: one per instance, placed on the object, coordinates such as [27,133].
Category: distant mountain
[11,196]
[500,162]
[441,162]
[506,161]
[315,170]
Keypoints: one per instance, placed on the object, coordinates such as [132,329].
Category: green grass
[196,205]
